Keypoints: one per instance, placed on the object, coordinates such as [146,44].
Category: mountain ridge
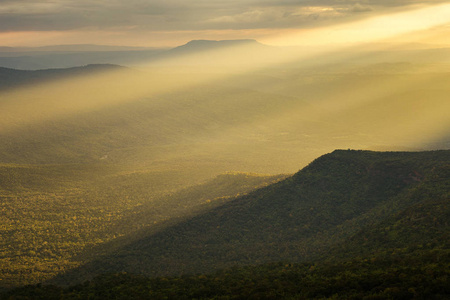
[66,56]
[11,77]
[220,43]
[297,219]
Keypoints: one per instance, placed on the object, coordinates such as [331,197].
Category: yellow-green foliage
[52,213]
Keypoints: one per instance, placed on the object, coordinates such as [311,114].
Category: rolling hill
[350,224]
[15,78]
[344,204]
[69,56]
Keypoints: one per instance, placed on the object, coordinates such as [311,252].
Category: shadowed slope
[294,220]
[52,214]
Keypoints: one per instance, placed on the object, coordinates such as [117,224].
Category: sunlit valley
[228,169]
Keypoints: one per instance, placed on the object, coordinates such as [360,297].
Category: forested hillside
[338,199]
[352,224]
[423,275]
[55,217]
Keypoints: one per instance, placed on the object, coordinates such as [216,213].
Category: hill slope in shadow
[302,218]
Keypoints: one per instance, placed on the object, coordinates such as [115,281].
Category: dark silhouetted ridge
[14,78]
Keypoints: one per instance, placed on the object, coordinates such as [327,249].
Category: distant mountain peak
[239,41]
[208,44]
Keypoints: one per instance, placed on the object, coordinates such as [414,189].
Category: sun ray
[63,98]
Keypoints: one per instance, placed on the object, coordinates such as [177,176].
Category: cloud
[167,15]
[66,15]
[156,14]
[279,16]
[358,8]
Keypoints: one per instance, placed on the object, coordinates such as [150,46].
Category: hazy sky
[173,22]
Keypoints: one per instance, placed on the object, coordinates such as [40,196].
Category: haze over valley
[231,115]
[271,149]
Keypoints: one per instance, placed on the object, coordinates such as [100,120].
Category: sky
[167,23]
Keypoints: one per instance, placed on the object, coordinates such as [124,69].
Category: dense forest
[352,224]
[51,214]
[300,218]
[419,275]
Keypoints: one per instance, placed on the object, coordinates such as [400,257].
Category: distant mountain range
[208,44]
[66,56]
[10,78]
[206,52]
[70,48]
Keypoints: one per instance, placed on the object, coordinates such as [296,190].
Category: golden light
[357,114]
[369,30]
